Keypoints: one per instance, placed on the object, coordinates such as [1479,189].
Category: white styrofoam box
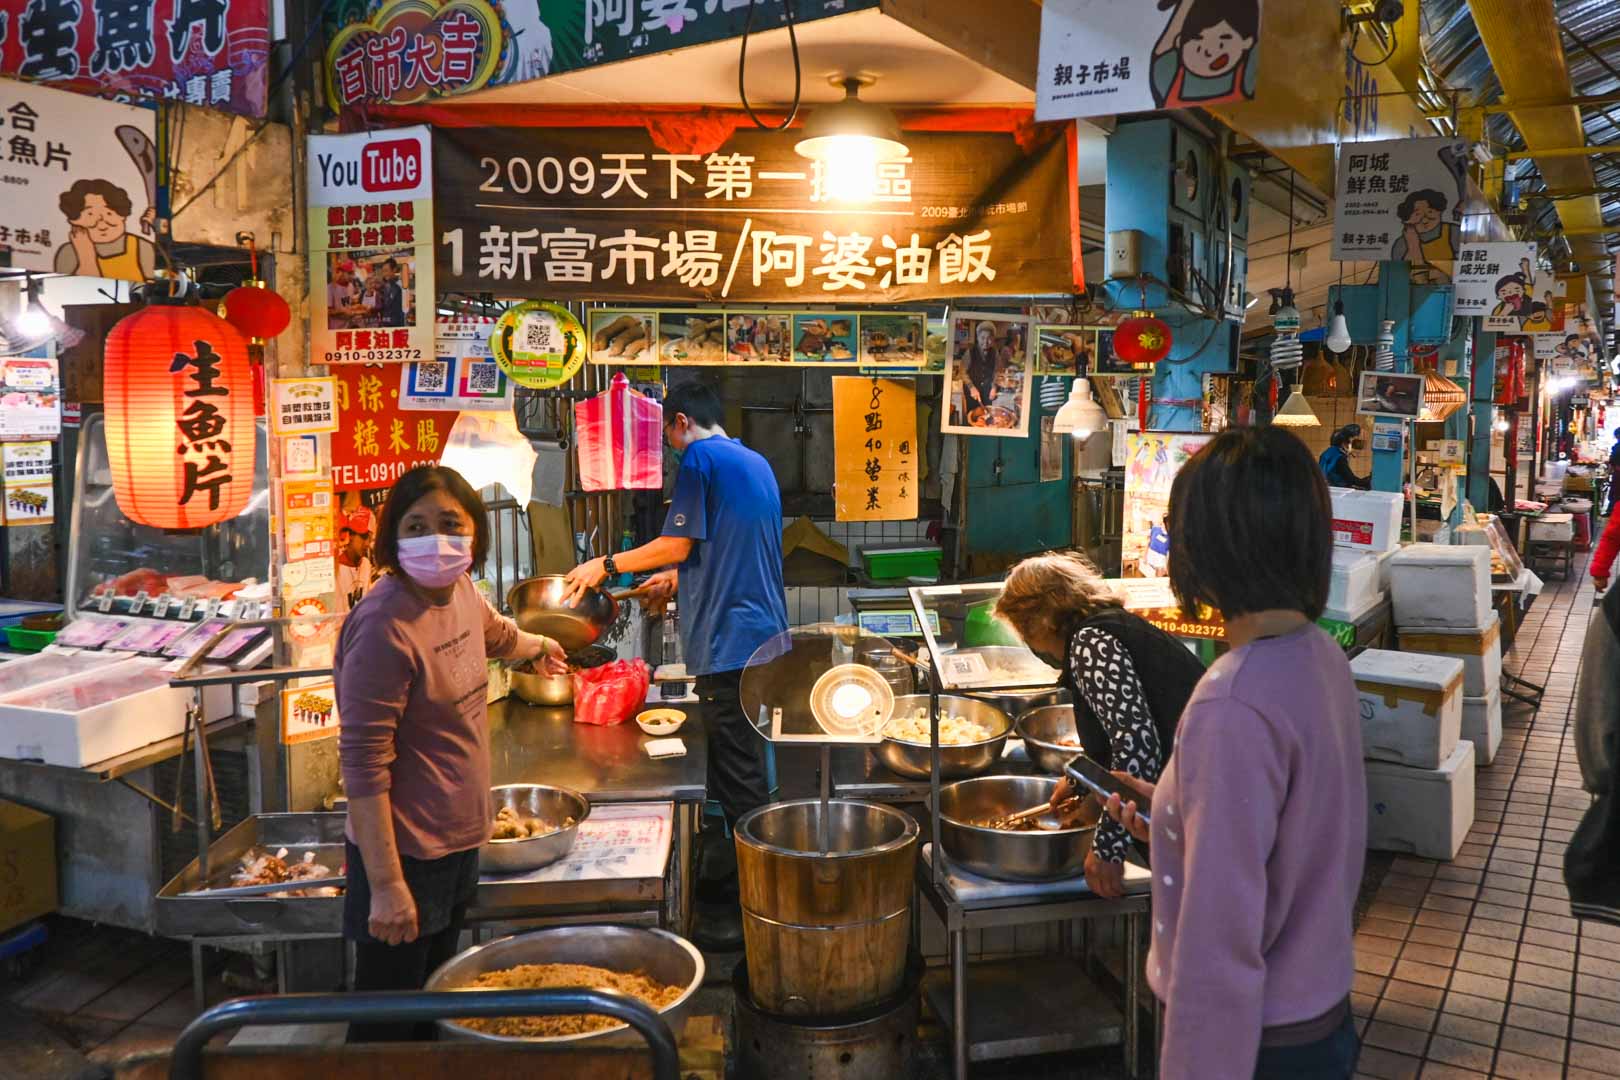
[88,718]
[1411,706]
[1369,520]
[1386,559]
[1353,615]
[1423,812]
[1354,583]
[249,696]
[1441,585]
[1553,527]
[1480,650]
[1482,724]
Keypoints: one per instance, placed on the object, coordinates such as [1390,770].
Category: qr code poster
[539,344]
[463,374]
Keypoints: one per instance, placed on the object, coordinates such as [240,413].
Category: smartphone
[1085,771]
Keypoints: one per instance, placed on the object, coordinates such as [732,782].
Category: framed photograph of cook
[988,371]
[1384,393]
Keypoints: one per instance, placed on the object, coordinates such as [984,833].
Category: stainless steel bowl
[537,607]
[1002,854]
[537,801]
[553,690]
[657,954]
[969,759]
[1037,728]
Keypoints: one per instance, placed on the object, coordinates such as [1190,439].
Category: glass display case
[116,565]
[977,653]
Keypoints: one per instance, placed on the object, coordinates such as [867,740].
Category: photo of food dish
[988,374]
[824,338]
[1064,350]
[692,337]
[624,337]
[759,337]
[893,338]
[1387,394]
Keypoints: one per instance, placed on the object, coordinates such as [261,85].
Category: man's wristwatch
[609,568]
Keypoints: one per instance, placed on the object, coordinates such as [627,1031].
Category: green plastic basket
[899,563]
[23,640]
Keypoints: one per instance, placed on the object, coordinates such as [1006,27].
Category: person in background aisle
[723,536]
[354,569]
[412,675]
[1259,823]
[1129,679]
[1614,473]
[1337,458]
[1608,546]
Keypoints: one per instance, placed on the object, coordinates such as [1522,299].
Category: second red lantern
[180,433]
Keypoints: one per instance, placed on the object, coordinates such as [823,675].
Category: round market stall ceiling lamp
[1080,416]
[1296,412]
[850,139]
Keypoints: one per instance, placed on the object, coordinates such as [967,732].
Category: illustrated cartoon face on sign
[1206,51]
[99,241]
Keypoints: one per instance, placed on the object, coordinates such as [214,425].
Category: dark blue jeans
[1332,1058]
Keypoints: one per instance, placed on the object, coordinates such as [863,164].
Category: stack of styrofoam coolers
[1366,532]
[1420,773]
[1442,600]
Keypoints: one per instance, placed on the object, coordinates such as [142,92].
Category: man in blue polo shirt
[723,536]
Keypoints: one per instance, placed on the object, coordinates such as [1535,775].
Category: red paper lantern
[259,312]
[179,398]
[1142,340]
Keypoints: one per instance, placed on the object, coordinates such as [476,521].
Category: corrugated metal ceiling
[1453,50]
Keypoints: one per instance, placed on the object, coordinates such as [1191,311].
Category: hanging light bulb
[1080,416]
[1501,424]
[1384,360]
[1338,335]
[32,322]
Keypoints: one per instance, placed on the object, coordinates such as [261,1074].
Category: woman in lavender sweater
[1259,822]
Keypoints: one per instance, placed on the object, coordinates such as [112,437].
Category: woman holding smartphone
[1259,826]
[412,684]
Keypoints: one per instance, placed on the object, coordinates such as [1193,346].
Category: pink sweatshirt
[1258,837]
[412,681]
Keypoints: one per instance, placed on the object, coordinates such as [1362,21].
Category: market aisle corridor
[1474,967]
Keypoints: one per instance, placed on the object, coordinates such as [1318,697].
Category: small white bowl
[660,722]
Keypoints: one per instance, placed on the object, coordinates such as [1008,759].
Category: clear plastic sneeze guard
[113,561]
[820,684]
[977,652]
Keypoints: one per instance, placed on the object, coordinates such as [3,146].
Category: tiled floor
[1474,967]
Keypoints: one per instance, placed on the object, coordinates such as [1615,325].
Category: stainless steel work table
[534,745]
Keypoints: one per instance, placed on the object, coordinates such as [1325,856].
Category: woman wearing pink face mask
[411,672]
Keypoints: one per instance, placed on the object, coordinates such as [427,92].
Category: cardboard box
[1423,812]
[1480,651]
[1366,520]
[1411,706]
[27,864]
[1441,585]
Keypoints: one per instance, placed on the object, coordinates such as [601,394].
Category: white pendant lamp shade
[1338,335]
[1080,416]
[1296,412]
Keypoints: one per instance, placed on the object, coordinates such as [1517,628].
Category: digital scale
[888,613]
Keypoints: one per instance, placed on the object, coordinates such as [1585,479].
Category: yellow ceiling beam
[1564,152]
[1522,39]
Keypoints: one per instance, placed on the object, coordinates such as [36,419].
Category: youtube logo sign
[362,168]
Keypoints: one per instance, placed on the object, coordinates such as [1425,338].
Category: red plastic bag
[620,435]
[610,694]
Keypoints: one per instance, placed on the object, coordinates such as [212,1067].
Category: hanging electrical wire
[798,72]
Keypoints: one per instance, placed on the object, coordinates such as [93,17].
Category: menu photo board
[713,337]
[30,492]
[371,247]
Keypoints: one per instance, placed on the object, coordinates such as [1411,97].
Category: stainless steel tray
[257,916]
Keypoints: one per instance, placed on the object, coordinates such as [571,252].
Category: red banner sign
[205,52]
[377,441]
